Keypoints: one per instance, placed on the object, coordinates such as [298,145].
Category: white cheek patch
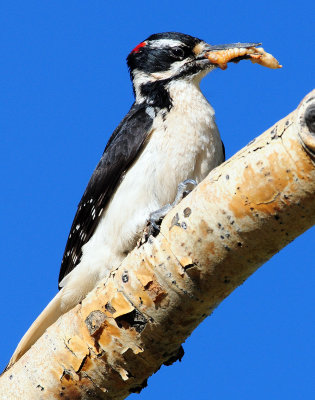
[140,78]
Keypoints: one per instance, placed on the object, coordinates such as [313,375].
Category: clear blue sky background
[65,87]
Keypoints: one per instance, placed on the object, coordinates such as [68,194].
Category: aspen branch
[244,212]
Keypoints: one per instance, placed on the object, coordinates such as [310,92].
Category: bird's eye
[177,52]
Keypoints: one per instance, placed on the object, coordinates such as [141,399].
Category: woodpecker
[169,135]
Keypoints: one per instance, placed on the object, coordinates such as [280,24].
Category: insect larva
[256,55]
[266,59]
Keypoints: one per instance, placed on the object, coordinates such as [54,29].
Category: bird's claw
[183,191]
[156,217]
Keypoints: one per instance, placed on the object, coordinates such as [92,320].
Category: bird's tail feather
[48,316]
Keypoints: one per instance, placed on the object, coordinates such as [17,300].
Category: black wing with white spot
[121,150]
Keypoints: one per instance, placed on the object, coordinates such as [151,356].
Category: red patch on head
[137,48]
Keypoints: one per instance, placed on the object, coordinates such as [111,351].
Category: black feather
[153,59]
[122,149]
[156,95]
[223,150]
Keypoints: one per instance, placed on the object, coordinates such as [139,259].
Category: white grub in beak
[255,54]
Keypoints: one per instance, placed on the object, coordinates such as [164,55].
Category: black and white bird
[169,135]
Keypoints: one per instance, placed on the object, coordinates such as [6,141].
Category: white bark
[244,212]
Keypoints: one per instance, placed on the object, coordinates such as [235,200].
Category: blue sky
[65,87]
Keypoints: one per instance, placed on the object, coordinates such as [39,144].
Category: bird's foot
[156,217]
[184,188]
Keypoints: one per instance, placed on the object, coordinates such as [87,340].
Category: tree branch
[243,213]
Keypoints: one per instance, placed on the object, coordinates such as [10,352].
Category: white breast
[184,144]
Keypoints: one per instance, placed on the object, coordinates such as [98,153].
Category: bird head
[167,57]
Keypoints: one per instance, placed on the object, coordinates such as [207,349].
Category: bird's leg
[183,190]
[157,216]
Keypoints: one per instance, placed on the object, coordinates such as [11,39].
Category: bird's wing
[121,150]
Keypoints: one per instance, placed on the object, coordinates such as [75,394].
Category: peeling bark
[243,213]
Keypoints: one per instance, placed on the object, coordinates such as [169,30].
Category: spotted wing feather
[121,150]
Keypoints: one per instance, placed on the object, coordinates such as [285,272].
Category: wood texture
[243,213]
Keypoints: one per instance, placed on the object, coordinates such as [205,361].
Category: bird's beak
[203,49]
[217,47]
[219,55]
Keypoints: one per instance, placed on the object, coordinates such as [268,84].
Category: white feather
[183,144]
